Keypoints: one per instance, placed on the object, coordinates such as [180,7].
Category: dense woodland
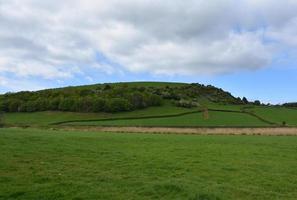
[113,98]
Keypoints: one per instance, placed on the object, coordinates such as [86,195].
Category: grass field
[40,164]
[190,120]
[277,114]
[47,118]
[220,118]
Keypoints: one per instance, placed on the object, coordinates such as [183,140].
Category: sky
[247,47]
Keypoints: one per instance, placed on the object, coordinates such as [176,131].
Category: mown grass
[220,119]
[39,164]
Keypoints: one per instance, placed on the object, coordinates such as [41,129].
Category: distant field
[189,120]
[277,114]
[166,115]
[47,118]
[38,164]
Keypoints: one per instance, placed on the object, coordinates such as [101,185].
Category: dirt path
[199,131]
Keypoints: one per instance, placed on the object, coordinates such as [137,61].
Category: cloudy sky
[248,47]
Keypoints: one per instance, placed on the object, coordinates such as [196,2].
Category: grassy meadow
[277,114]
[166,116]
[215,119]
[44,164]
[50,117]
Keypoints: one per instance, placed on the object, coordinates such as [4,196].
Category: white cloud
[54,39]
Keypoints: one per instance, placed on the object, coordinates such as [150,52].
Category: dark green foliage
[284,123]
[4,105]
[99,104]
[29,106]
[67,104]
[137,99]
[294,104]
[112,97]
[245,101]
[257,103]
[1,119]
[14,105]
[118,105]
[205,197]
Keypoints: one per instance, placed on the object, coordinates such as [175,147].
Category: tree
[137,100]
[41,104]
[99,105]
[154,100]
[107,87]
[3,105]
[30,106]
[66,104]
[118,105]
[245,101]
[284,123]
[257,103]
[85,92]
[1,119]
[14,105]
[54,104]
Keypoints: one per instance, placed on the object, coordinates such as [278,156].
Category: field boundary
[166,116]
[271,131]
[248,113]
[128,118]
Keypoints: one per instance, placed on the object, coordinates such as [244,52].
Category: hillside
[116,97]
[142,104]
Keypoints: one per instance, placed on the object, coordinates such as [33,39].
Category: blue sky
[247,47]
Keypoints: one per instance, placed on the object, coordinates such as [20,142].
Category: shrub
[14,105]
[154,100]
[67,104]
[1,119]
[118,105]
[186,104]
[99,105]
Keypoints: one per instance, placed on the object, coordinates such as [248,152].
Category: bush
[154,100]
[30,106]
[54,104]
[257,103]
[99,105]
[186,104]
[118,105]
[67,104]
[1,119]
[14,105]
[137,100]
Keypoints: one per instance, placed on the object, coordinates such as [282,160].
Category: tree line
[293,105]
[112,98]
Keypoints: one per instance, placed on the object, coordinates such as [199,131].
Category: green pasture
[166,115]
[47,165]
[277,114]
[215,118]
[47,118]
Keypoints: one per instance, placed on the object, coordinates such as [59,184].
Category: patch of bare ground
[277,131]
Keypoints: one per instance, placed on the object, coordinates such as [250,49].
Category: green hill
[139,104]
[116,97]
